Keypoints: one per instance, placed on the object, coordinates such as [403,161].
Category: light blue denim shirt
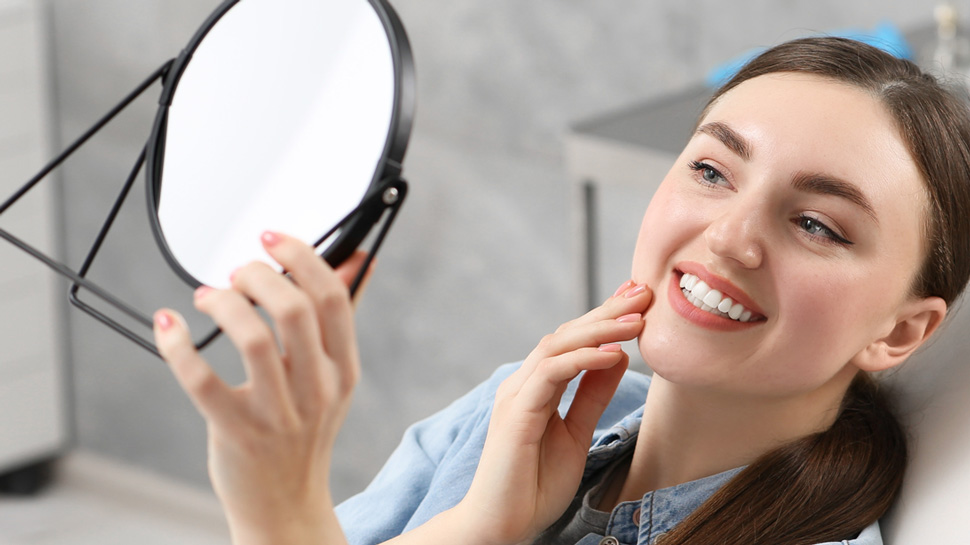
[432,469]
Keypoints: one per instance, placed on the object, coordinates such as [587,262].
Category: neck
[687,434]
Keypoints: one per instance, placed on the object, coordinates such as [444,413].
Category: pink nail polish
[626,285]
[164,321]
[640,288]
[612,347]
[202,291]
[270,238]
[629,318]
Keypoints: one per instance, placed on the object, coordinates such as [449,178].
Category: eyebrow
[816,183]
[728,136]
[823,184]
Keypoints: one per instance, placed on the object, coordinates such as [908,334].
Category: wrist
[309,526]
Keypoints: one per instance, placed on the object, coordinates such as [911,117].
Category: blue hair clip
[885,36]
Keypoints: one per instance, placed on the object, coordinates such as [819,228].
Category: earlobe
[915,323]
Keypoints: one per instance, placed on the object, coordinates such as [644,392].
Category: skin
[723,393]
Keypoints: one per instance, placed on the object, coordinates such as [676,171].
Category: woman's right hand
[533,458]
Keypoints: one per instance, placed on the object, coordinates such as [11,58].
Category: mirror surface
[280,121]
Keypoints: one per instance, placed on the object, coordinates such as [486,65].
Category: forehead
[807,123]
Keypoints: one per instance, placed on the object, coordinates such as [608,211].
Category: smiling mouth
[702,296]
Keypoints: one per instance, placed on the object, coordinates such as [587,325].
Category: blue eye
[708,174]
[818,230]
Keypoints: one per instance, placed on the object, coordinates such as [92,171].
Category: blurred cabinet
[33,412]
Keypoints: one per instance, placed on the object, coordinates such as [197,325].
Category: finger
[330,297]
[210,395]
[254,339]
[348,270]
[593,395]
[593,334]
[628,299]
[590,335]
[292,312]
[540,390]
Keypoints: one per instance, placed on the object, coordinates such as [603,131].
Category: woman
[811,233]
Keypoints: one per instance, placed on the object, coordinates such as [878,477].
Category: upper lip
[721,284]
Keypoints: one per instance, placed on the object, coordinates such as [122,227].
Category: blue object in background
[885,36]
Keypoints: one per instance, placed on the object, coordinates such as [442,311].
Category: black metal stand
[389,195]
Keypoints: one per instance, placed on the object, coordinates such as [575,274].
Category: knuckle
[294,310]
[331,299]
[546,342]
[351,378]
[201,383]
[546,365]
[258,344]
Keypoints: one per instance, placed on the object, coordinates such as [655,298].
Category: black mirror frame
[362,220]
[383,199]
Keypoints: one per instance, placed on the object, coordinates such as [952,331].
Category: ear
[915,323]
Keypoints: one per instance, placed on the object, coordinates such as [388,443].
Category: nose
[738,236]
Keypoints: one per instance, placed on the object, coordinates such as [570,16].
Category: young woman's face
[797,199]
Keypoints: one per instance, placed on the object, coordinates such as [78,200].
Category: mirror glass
[283,114]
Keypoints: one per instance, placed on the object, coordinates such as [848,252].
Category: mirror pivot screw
[391,196]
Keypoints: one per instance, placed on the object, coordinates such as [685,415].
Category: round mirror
[280,115]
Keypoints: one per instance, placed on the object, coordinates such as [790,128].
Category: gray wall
[479,266]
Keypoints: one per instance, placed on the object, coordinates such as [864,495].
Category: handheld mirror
[280,115]
[283,115]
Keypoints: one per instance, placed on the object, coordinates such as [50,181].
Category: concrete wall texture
[480,264]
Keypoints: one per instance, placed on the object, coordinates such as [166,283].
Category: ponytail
[823,487]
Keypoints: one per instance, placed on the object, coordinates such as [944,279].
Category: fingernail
[164,320]
[629,318]
[640,288]
[232,275]
[612,347]
[626,285]
[202,291]
[270,238]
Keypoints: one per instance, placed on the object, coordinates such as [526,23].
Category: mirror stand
[385,201]
[78,277]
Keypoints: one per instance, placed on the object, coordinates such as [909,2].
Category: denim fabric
[642,521]
[432,468]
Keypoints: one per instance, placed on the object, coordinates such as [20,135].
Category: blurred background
[483,260]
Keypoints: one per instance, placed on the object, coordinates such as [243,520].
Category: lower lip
[700,317]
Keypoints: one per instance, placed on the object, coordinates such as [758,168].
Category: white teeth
[712,299]
[700,290]
[699,294]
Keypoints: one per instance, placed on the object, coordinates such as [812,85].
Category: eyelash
[700,167]
[830,236]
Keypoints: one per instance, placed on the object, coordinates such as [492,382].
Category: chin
[682,365]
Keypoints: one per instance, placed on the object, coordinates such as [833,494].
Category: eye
[708,175]
[819,231]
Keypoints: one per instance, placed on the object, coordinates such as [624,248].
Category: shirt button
[636,517]
[609,540]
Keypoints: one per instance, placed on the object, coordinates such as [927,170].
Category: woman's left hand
[271,438]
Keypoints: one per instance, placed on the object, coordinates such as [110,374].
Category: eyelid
[697,165]
[839,236]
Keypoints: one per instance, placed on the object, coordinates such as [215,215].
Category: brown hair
[830,485]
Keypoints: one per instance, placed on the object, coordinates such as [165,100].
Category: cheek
[832,316]
[668,224]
